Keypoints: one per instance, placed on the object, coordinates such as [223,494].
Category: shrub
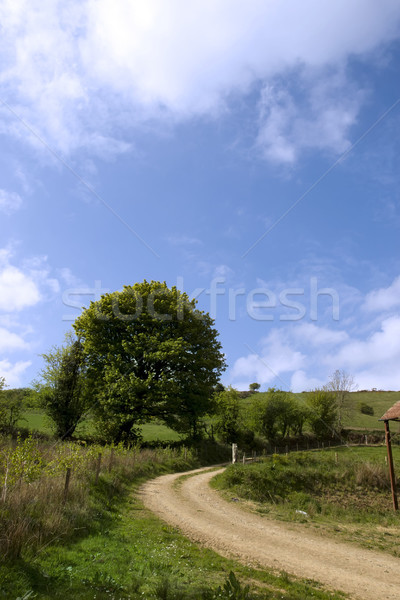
[366,409]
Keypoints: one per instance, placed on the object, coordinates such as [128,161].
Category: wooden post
[391,468]
[110,464]
[244,457]
[98,465]
[66,485]
[234,453]
[4,490]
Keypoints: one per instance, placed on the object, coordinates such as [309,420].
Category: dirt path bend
[205,517]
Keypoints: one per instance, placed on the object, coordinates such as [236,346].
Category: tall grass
[314,481]
[39,505]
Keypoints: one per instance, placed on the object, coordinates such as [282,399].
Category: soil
[206,518]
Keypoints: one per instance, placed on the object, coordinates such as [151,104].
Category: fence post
[4,490]
[234,453]
[110,464]
[66,485]
[244,457]
[98,465]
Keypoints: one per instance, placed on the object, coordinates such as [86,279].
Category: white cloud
[380,348]
[17,289]
[300,382]
[318,336]
[276,359]
[10,341]
[12,372]
[302,356]
[9,201]
[384,298]
[323,122]
[77,71]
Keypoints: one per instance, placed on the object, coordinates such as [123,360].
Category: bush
[366,409]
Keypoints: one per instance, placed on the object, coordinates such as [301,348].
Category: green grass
[380,401]
[158,432]
[350,498]
[128,553]
[36,420]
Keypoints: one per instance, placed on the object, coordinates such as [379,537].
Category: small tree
[322,412]
[228,421]
[341,384]
[273,413]
[64,390]
[254,387]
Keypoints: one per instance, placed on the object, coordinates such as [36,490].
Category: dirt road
[205,517]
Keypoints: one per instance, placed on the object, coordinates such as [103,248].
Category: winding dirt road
[206,518]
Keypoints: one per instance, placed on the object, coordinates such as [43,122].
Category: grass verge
[130,554]
[350,498]
[116,549]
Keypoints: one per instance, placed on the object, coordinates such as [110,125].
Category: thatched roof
[393,414]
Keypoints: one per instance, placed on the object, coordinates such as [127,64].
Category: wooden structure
[393,414]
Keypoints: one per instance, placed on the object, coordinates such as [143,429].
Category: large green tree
[149,352]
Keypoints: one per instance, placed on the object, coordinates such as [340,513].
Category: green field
[343,492]
[380,402]
[36,420]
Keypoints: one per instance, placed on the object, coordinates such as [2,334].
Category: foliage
[64,390]
[150,353]
[341,384]
[231,590]
[218,388]
[345,490]
[103,545]
[11,407]
[366,409]
[275,413]
[228,421]
[32,479]
[254,387]
[322,412]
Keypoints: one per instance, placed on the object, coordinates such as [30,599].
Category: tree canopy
[149,353]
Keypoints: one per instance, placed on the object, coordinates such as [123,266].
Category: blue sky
[247,152]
